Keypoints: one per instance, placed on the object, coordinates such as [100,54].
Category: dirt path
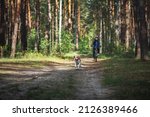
[89,84]
[56,81]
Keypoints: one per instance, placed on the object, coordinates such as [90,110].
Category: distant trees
[122,22]
[122,25]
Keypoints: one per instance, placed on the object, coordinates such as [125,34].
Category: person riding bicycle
[96,47]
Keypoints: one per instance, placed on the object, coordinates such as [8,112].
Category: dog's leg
[76,64]
[79,64]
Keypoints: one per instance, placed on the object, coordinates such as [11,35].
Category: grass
[34,62]
[129,77]
[54,90]
[64,90]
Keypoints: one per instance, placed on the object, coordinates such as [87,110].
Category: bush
[32,55]
[44,46]
[84,45]
[66,43]
[31,39]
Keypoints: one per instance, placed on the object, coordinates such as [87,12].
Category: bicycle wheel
[95,55]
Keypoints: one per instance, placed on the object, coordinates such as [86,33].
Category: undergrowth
[129,77]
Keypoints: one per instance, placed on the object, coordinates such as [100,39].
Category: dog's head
[76,57]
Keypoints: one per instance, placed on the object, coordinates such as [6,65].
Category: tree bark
[123,22]
[128,36]
[37,27]
[53,29]
[15,30]
[69,16]
[141,31]
[78,26]
[60,24]
[23,16]
[56,23]
[2,23]
[148,21]
[29,14]
[65,21]
[49,26]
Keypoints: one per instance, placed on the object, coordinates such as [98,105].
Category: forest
[52,29]
[60,26]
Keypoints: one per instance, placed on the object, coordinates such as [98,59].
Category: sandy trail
[86,81]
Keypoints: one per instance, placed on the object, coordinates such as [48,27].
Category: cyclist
[96,46]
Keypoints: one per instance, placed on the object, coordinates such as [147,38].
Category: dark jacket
[96,44]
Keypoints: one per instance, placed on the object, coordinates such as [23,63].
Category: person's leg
[96,54]
[98,51]
[93,53]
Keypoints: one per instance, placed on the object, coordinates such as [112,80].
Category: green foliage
[32,55]
[31,39]
[129,77]
[44,46]
[70,55]
[84,45]
[122,52]
[66,43]
[113,50]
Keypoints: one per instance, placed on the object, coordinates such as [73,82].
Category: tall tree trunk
[37,27]
[103,37]
[132,23]
[143,30]
[29,14]
[60,22]
[65,21]
[15,30]
[141,34]
[111,22]
[128,34]
[2,26]
[148,22]
[69,16]
[56,23]
[78,26]
[73,13]
[2,23]
[23,17]
[9,25]
[49,26]
[53,28]
[136,26]
[123,22]
[118,22]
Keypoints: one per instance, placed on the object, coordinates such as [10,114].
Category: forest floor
[46,80]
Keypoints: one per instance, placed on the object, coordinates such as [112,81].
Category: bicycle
[95,55]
